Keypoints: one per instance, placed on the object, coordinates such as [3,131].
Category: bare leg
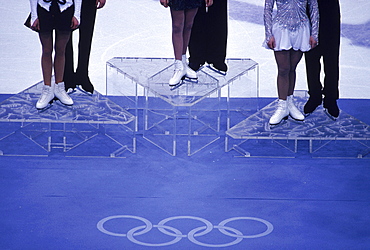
[178,19]
[189,20]
[61,40]
[46,40]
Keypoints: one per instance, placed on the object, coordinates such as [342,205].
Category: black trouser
[208,38]
[328,50]
[86,30]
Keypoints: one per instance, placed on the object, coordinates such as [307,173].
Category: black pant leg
[217,31]
[313,69]
[331,70]
[197,44]
[329,41]
[86,29]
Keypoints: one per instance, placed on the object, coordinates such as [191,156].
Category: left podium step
[94,126]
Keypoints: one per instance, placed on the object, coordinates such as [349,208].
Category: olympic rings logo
[178,235]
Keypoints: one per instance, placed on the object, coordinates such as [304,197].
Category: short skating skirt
[286,39]
[184,4]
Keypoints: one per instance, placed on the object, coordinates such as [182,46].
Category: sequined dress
[291,27]
[185,4]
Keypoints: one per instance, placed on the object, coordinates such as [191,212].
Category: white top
[62,7]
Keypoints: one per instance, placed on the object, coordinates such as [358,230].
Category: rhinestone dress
[291,27]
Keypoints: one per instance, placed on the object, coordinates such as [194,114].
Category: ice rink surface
[142,28]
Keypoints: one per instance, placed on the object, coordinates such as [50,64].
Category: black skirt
[185,4]
[54,19]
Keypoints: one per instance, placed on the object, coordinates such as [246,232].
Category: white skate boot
[62,95]
[293,110]
[280,114]
[178,73]
[47,95]
[190,73]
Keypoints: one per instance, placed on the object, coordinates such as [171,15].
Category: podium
[94,126]
[346,137]
[187,117]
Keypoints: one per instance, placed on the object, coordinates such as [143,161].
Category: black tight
[287,61]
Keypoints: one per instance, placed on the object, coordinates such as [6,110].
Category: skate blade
[50,104]
[191,80]
[84,91]
[283,121]
[216,70]
[71,90]
[296,120]
[329,115]
[59,103]
[176,86]
[308,114]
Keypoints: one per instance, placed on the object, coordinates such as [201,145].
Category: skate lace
[280,106]
[179,66]
[291,105]
[45,92]
[177,70]
[61,91]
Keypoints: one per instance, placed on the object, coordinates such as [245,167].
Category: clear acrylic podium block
[93,126]
[184,118]
[346,137]
[188,113]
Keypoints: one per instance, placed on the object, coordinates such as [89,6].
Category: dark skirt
[54,19]
[185,4]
